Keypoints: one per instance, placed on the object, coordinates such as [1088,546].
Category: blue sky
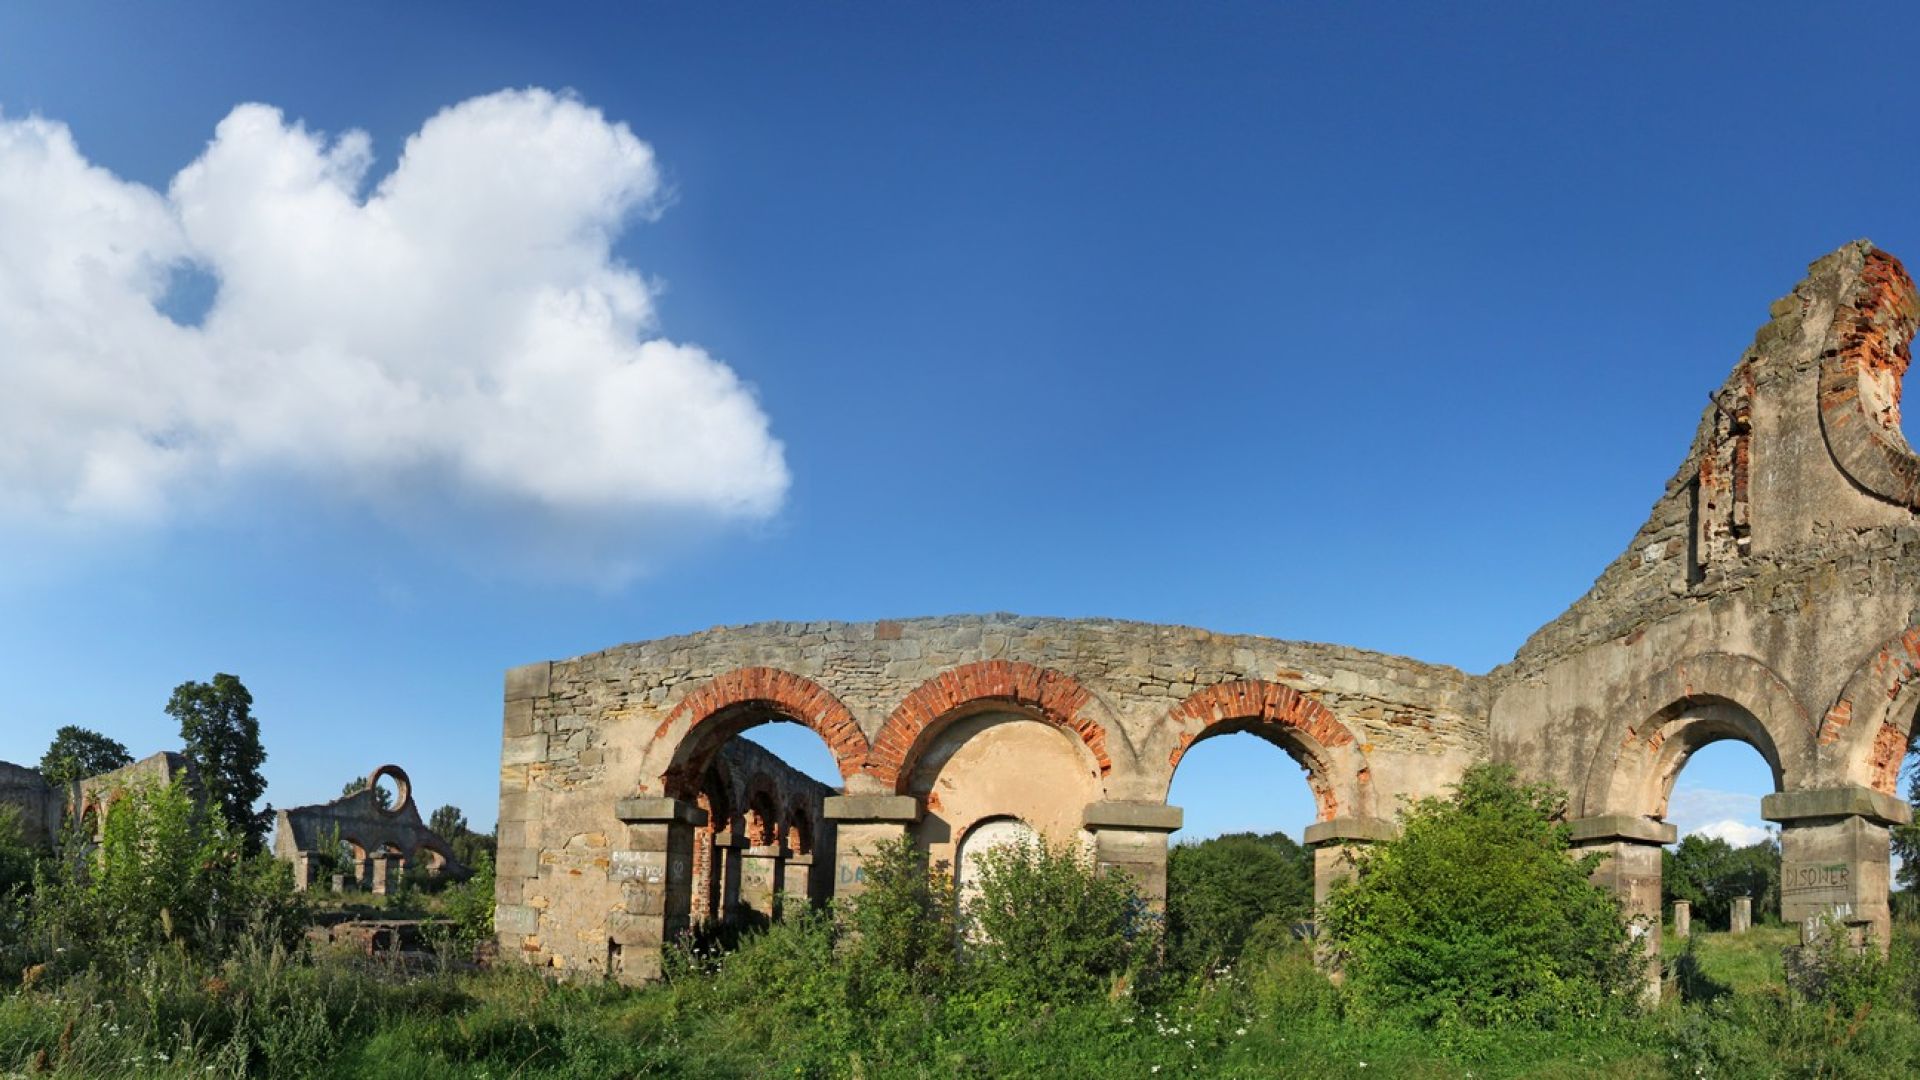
[1380,325]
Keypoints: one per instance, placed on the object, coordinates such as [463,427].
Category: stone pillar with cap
[1740,919]
[862,823]
[762,877]
[655,873]
[1835,852]
[1630,869]
[1131,838]
[1336,843]
[796,881]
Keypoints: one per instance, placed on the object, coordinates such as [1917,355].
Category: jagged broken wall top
[1798,466]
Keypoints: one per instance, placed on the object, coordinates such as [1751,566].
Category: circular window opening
[392,790]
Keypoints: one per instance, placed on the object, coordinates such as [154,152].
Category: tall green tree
[1220,889]
[221,736]
[1710,873]
[77,753]
[448,822]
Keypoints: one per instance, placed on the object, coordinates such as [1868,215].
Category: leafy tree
[1476,912]
[221,737]
[1709,873]
[449,823]
[382,798]
[77,753]
[1220,889]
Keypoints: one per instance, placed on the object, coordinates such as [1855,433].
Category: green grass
[783,1006]
[1743,963]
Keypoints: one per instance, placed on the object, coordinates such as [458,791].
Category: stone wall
[1771,597]
[37,802]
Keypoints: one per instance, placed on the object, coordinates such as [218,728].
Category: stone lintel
[854,808]
[1627,828]
[530,681]
[1139,816]
[1342,830]
[1853,800]
[649,810]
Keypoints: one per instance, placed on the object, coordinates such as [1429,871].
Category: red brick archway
[1055,697]
[1864,719]
[1285,716]
[732,702]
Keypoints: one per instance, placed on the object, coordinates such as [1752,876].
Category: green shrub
[1220,890]
[164,876]
[1477,914]
[903,922]
[1047,926]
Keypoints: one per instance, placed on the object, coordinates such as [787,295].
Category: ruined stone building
[377,845]
[1773,596]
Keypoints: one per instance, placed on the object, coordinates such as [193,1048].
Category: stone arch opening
[1041,694]
[763,813]
[983,836]
[990,760]
[1337,773]
[739,700]
[710,860]
[799,829]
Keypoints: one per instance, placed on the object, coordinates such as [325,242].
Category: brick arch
[761,813]
[728,704]
[1337,772]
[1055,697]
[1871,723]
[1696,702]
[1866,357]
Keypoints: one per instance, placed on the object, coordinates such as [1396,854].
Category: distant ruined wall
[1773,596]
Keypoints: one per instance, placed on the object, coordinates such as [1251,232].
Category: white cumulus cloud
[455,339]
[1737,833]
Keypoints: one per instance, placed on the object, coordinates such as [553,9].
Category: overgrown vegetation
[1477,914]
[1230,890]
[1049,969]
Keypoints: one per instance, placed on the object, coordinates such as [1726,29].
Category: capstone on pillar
[1834,857]
[1131,838]
[1336,844]
[861,824]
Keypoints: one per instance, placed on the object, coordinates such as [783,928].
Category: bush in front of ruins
[1477,914]
[1045,925]
[164,876]
[903,922]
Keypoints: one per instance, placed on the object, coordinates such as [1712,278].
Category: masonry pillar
[1336,843]
[1131,838]
[1682,919]
[1630,870]
[1835,852]
[384,875]
[655,874]
[1740,919]
[762,875]
[797,883]
[862,823]
[727,845]
[306,870]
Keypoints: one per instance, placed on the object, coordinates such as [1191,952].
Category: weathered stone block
[529,681]
[515,919]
